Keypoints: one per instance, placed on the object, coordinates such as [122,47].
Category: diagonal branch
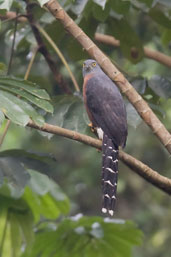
[149,53]
[137,166]
[139,103]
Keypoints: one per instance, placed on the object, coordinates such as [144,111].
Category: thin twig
[111,70]
[59,53]
[137,166]
[30,63]
[5,132]
[12,48]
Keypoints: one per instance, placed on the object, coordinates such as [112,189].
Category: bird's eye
[94,64]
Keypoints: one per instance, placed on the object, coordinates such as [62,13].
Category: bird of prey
[107,113]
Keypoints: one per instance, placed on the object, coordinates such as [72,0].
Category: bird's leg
[92,127]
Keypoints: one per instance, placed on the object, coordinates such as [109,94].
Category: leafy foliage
[13,93]
[33,207]
[85,236]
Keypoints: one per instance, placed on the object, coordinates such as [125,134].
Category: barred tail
[109,175]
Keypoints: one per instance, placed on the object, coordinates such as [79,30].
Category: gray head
[90,66]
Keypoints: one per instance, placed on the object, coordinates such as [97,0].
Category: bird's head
[90,66]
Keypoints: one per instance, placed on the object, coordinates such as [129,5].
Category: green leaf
[161,86]
[16,175]
[130,43]
[50,205]
[69,112]
[12,109]
[3,68]
[100,13]
[166,37]
[43,163]
[17,110]
[16,239]
[158,16]
[19,226]
[102,3]
[43,104]
[2,117]
[28,86]
[121,7]
[6,4]
[88,236]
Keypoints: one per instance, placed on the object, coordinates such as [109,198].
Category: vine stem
[59,53]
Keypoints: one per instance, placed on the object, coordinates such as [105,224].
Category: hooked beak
[87,68]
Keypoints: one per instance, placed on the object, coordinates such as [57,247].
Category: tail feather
[109,174]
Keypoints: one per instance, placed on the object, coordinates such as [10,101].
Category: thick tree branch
[139,103]
[137,166]
[155,55]
[43,50]
[13,16]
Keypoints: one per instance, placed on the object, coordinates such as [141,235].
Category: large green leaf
[69,112]
[14,93]
[17,110]
[88,236]
[28,86]
[43,163]
[43,104]
[45,197]
[130,43]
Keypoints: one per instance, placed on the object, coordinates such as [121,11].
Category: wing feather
[107,107]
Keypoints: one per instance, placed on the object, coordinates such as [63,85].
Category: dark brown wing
[107,108]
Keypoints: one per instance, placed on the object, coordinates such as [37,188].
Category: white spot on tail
[106,195]
[111,212]
[113,197]
[109,169]
[110,147]
[108,182]
[104,210]
[100,133]
[110,157]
